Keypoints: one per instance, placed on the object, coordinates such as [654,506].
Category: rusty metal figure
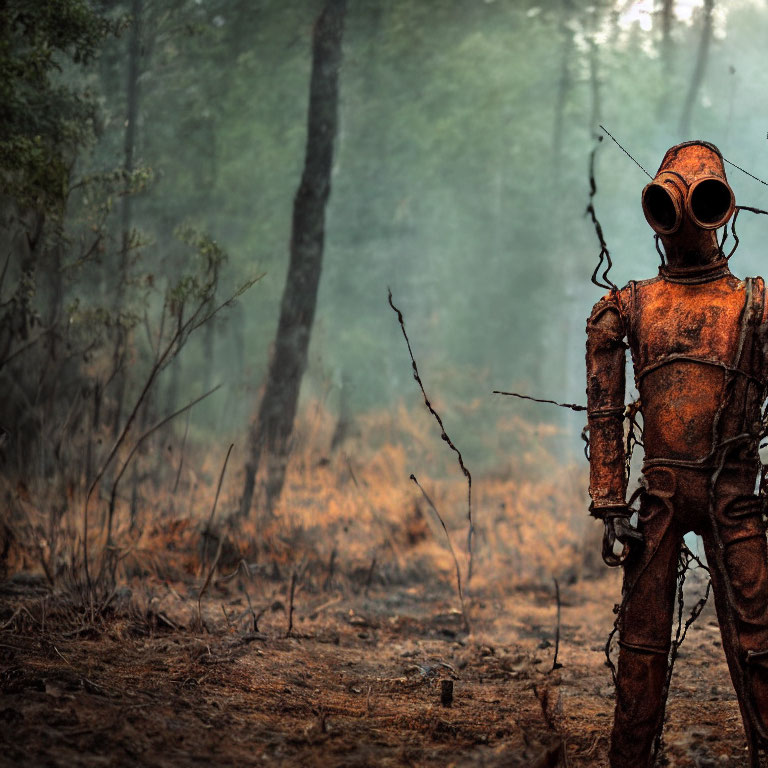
[697,335]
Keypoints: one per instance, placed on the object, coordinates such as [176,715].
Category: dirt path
[359,684]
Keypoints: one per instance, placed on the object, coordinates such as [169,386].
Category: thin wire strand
[572,406]
[738,210]
[604,257]
[627,153]
[751,175]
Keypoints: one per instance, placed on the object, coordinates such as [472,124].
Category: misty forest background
[150,153]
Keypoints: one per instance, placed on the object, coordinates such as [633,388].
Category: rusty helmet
[690,180]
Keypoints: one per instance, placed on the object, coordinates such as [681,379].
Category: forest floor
[357,683]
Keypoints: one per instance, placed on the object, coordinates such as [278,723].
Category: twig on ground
[209,526]
[369,578]
[181,457]
[207,581]
[218,548]
[321,608]
[399,559]
[446,692]
[257,616]
[146,434]
[292,592]
[183,332]
[555,663]
[218,487]
[452,550]
[12,619]
[329,578]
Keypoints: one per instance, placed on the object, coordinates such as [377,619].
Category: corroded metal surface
[690,183]
[697,337]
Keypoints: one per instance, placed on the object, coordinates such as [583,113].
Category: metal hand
[618,528]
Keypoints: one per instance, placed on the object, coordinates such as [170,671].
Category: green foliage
[446,185]
[43,123]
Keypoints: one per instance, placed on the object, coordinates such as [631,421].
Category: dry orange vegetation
[147,677]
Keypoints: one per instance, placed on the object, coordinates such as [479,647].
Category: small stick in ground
[124,467]
[207,582]
[250,607]
[291,594]
[446,692]
[218,487]
[322,607]
[207,531]
[370,576]
[218,549]
[331,567]
[555,663]
[257,617]
[181,457]
[453,552]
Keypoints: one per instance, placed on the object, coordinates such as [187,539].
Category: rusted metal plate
[696,334]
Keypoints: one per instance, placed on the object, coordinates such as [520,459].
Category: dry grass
[350,506]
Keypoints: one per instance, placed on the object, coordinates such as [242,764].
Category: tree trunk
[126,218]
[667,15]
[272,428]
[595,114]
[698,72]
[666,32]
[563,86]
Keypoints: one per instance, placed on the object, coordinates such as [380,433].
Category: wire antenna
[751,175]
[602,128]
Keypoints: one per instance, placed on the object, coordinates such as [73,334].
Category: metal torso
[698,365]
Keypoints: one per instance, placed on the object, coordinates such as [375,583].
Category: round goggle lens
[659,208]
[711,203]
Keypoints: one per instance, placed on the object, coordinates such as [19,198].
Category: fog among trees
[210,425]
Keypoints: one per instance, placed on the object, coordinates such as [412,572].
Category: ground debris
[327,696]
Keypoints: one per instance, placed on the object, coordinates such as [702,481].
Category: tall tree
[44,122]
[667,17]
[564,83]
[126,213]
[699,69]
[594,83]
[271,431]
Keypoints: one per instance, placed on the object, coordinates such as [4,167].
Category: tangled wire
[634,438]
[687,559]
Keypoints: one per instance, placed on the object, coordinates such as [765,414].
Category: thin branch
[555,663]
[31,343]
[443,434]
[218,548]
[141,439]
[452,550]
[5,269]
[604,257]
[292,593]
[183,331]
[572,406]
[209,526]
[218,487]
[207,582]
[377,517]
[181,457]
